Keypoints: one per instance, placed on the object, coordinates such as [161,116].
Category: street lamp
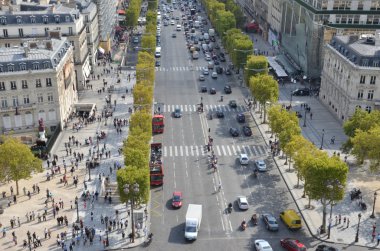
[132,189]
[357,230]
[304,121]
[374,203]
[323,135]
[107,240]
[291,99]
[77,206]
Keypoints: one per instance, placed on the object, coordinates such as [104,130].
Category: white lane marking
[253,148]
[170,150]
[165,152]
[233,150]
[164,108]
[238,149]
[186,151]
[192,151]
[228,150]
[224,150]
[185,108]
[243,150]
[248,150]
[218,150]
[196,150]
[181,150]
[175,151]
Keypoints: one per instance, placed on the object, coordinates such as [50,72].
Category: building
[108,18]
[308,24]
[22,21]
[351,75]
[37,81]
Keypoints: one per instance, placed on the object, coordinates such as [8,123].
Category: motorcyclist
[230,207]
[243,224]
[255,172]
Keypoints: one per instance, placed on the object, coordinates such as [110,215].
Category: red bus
[158,123]
[155,165]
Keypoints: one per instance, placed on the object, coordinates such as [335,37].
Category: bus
[158,123]
[155,165]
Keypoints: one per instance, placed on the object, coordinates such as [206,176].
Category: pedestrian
[332,141]
[340,219]
[311,116]
[373,236]
[344,221]
[92,216]
[336,220]
[378,238]
[18,222]
[46,233]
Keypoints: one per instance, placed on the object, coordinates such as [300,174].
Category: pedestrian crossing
[180,68]
[193,108]
[219,150]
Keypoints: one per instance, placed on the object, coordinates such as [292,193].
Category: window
[46,65]
[7,45]
[11,68]
[4,102]
[13,85]
[48,82]
[40,98]
[24,84]
[67,18]
[1,68]
[56,18]
[370,94]
[19,20]
[45,19]
[373,80]
[23,67]
[362,79]
[87,29]
[36,66]
[33,19]
[86,18]
[2,86]
[368,109]
[38,83]
[5,32]
[70,30]
[3,20]
[26,99]
[20,32]
[50,97]
[46,31]
[360,94]
[15,101]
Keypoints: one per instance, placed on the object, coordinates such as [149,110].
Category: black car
[234,132]
[301,92]
[247,131]
[216,62]
[227,89]
[203,89]
[326,248]
[240,118]
[232,104]
[219,70]
[158,63]
[219,114]
[222,59]
[212,91]
[228,72]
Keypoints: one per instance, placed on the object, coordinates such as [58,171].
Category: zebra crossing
[193,108]
[180,68]
[220,150]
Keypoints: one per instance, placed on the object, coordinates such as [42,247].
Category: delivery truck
[193,221]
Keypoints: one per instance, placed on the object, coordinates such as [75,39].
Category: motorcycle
[149,239]
[243,225]
[254,219]
[229,209]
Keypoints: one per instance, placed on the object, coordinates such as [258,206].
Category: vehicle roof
[243,199]
[177,193]
[243,155]
[260,161]
[292,213]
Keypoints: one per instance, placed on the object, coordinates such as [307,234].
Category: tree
[152,4]
[148,43]
[142,120]
[256,65]
[224,21]
[290,129]
[151,17]
[242,49]
[17,161]
[265,89]
[326,179]
[366,145]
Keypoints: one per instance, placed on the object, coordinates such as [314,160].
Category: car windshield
[177,110]
[272,221]
[176,198]
[190,229]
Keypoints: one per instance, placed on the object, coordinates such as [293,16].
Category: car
[243,159]
[270,222]
[172,22]
[177,113]
[219,114]
[326,248]
[222,59]
[247,131]
[207,57]
[136,40]
[212,91]
[214,74]
[216,62]
[219,70]
[301,92]
[179,27]
[177,199]
[166,23]
[210,65]
[158,63]
[203,88]
[240,117]
[159,28]
[227,89]
[228,72]
[217,47]
[262,245]
[234,132]
[291,244]
[205,71]
[201,77]
[174,35]
[242,203]
[260,165]
[232,104]
[176,18]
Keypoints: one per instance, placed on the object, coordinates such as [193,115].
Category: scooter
[229,209]
[243,225]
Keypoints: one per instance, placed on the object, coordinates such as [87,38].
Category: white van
[157,54]
[195,55]
[179,28]
[206,36]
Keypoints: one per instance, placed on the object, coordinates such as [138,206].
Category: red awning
[121,12]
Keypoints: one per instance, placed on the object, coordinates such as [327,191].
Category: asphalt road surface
[186,161]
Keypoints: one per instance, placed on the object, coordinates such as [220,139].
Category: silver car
[260,165]
[270,222]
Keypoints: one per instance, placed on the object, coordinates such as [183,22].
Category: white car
[260,165]
[205,71]
[243,159]
[242,202]
[208,58]
[214,74]
[179,28]
[172,22]
[262,245]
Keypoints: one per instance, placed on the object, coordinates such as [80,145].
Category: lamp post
[291,99]
[330,221]
[131,190]
[357,230]
[304,121]
[77,206]
[107,240]
[323,135]
[374,203]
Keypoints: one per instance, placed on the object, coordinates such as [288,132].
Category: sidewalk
[67,193]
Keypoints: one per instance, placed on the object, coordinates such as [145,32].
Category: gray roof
[29,57]
[360,51]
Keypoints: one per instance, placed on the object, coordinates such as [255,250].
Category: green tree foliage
[128,177]
[366,145]
[238,13]
[143,120]
[148,43]
[133,12]
[325,180]
[17,161]
[215,6]
[265,89]
[224,21]
[152,4]
[151,17]
[143,96]
[229,37]
[256,65]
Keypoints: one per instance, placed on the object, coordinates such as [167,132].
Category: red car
[292,245]
[177,200]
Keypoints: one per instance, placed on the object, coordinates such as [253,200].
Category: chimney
[55,34]
[52,9]
[44,2]
[49,45]
[26,51]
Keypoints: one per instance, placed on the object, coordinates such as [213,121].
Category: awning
[121,12]
[276,67]
[283,61]
[101,50]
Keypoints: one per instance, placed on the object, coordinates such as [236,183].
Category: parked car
[227,89]
[270,222]
[291,244]
[326,248]
[219,114]
[177,199]
[262,245]
[301,92]
[212,91]
[260,165]
[174,35]
[201,77]
[242,203]
[203,89]
[243,159]
[240,117]
[158,63]
[234,132]
[247,131]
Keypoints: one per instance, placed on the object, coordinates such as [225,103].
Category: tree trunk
[290,160]
[265,114]
[298,180]
[286,159]
[324,218]
[17,187]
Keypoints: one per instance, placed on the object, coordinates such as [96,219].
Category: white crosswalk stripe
[220,150]
[213,108]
